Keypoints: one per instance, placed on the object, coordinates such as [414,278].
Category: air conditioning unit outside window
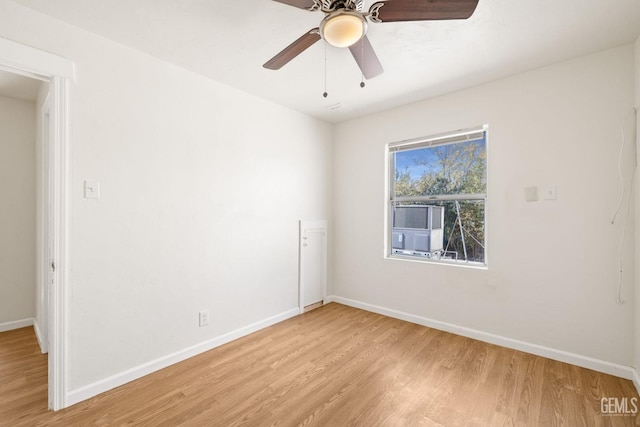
[418,230]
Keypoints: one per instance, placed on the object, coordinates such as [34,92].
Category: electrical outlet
[204,318]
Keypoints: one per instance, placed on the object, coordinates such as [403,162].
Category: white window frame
[390,198]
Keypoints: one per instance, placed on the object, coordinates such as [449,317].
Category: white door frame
[60,73]
[314,225]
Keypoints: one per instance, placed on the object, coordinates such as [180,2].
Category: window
[437,198]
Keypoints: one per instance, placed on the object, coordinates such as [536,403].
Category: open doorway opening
[58,72]
[25,190]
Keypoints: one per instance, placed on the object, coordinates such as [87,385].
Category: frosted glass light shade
[343,29]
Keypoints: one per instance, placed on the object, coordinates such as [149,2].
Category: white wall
[17,212]
[202,187]
[552,273]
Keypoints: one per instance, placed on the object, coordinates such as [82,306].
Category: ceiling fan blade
[366,58]
[293,50]
[421,10]
[302,4]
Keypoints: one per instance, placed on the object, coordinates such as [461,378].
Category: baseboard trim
[636,380]
[16,324]
[41,343]
[91,390]
[617,370]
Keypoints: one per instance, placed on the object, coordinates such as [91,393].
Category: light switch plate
[550,192]
[92,189]
[531,194]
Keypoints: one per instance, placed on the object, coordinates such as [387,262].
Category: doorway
[58,72]
[18,188]
[313,264]
[25,192]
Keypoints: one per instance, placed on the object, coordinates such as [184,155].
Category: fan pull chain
[362,57]
[325,94]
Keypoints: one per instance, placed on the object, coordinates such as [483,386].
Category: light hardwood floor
[333,366]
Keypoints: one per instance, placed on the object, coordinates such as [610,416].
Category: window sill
[425,260]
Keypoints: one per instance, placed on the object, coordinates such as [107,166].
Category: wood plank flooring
[333,366]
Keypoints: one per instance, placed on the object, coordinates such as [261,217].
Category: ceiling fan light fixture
[343,28]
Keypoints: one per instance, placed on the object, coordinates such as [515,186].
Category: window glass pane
[437,192]
[445,169]
[462,237]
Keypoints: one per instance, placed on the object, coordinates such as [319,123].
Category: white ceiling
[230,40]
[18,87]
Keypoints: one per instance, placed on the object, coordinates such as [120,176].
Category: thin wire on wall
[622,196]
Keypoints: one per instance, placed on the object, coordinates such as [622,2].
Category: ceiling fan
[345,25]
